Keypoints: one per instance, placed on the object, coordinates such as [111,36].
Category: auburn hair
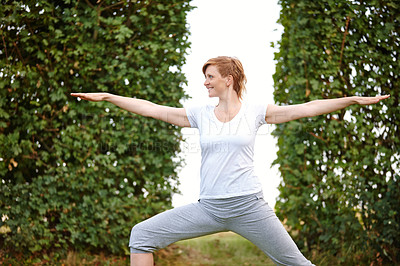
[229,66]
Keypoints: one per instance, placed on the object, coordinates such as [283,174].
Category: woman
[230,194]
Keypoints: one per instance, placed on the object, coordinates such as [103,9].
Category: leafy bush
[340,192]
[79,174]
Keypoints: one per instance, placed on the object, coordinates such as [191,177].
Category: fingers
[384,97]
[83,96]
[76,94]
[93,97]
[372,100]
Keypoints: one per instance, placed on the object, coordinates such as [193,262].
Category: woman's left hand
[371,100]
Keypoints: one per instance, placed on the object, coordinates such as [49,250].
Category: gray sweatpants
[249,216]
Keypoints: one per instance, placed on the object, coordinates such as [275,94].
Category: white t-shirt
[227,150]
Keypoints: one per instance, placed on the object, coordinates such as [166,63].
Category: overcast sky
[243,29]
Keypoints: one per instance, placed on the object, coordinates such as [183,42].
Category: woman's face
[214,82]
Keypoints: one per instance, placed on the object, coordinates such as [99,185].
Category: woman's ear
[229,80]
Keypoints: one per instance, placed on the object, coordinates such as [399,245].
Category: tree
[76,173]
[340,192]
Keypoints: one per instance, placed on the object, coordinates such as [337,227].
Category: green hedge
[76,174]
[340,192]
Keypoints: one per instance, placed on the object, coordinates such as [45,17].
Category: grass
[218,249]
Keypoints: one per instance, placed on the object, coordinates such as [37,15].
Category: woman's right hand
[93,97]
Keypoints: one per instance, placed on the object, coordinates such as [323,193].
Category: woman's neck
[226,110]
[228,106]
[230,102]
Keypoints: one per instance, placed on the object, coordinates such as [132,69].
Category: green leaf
[339,180]
[67,167]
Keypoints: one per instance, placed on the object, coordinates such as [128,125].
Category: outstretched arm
[176,116]
[280,114]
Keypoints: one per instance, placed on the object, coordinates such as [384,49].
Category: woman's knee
[139,241]
[137,230]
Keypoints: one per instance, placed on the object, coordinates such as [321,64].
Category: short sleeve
[193,114]
[260,111]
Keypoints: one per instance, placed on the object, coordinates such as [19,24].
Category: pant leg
[262,227]
[171,226]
